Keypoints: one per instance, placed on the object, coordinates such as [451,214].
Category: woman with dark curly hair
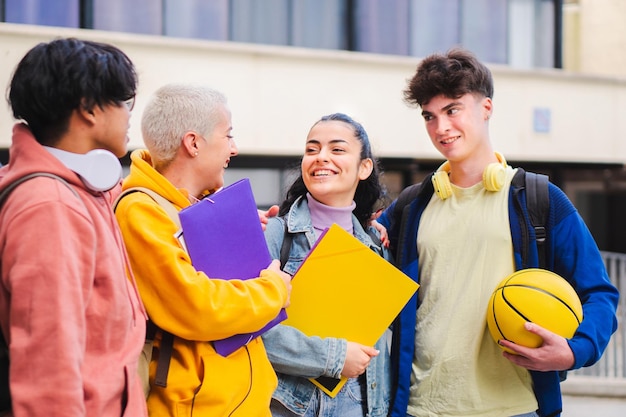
[338,183]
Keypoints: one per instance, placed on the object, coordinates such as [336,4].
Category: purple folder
[225,240]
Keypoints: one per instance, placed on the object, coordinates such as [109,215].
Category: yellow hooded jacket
[197,310]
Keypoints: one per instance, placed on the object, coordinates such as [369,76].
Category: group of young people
[80,279]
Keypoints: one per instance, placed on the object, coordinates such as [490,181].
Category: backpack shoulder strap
[407,195]
[7,190]
[538,203]
[167,339]
[538,206]
[159,199]
[286,246]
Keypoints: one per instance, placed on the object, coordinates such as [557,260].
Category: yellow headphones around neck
[493,177]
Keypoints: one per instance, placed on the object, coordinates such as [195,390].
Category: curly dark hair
[55,78]
[369,190]
[452,75]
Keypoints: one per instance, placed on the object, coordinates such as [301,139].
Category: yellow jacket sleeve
[181,300]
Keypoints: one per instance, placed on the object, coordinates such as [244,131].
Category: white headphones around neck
[98,169]
[494,176]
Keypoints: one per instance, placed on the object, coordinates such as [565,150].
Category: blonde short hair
[175,109]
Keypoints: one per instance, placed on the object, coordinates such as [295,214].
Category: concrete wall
[276,93]
[603,37]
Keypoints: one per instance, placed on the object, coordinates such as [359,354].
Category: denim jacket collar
[299,221]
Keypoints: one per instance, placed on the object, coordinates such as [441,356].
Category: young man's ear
[86,113]
[487,108]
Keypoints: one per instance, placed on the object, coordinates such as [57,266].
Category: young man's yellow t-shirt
[465,250]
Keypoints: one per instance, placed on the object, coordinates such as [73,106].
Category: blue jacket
[293,353]
[571,252]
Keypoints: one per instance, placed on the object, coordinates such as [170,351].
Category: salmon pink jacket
[73,320]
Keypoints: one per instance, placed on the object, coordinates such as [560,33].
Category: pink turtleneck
[323,216]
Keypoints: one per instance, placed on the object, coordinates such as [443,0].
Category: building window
[265,183]
[138,16]
[382,27]
[531,33]
[306,23]
[478,25]
[200,19]
[260,22]
[427,17]
[43,12]
[483,29]
[322,24]
[520,33]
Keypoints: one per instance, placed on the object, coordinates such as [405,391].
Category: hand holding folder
[344,289]
[224,238]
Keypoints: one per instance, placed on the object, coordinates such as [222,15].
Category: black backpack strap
[285,248]
[165,355]
[406,196]
[400,214]
[167,339]
[538,206]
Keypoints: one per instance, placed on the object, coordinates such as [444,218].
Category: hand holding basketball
[537,296]
[554,354]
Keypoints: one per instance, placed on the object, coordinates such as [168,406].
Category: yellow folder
[346,290]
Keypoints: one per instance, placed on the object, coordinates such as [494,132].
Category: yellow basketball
[533,295]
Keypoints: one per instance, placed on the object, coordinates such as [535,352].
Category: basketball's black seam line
[512,306]
[495,319]
[542,291]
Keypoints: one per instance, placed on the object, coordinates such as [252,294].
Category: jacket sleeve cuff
[336,357]
[581,349]
[278,281]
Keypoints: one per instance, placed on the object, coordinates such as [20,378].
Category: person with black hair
[70,313]
[338,183]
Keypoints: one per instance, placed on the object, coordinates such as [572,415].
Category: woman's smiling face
[332,165]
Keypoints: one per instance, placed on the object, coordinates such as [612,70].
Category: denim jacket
[291,352]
